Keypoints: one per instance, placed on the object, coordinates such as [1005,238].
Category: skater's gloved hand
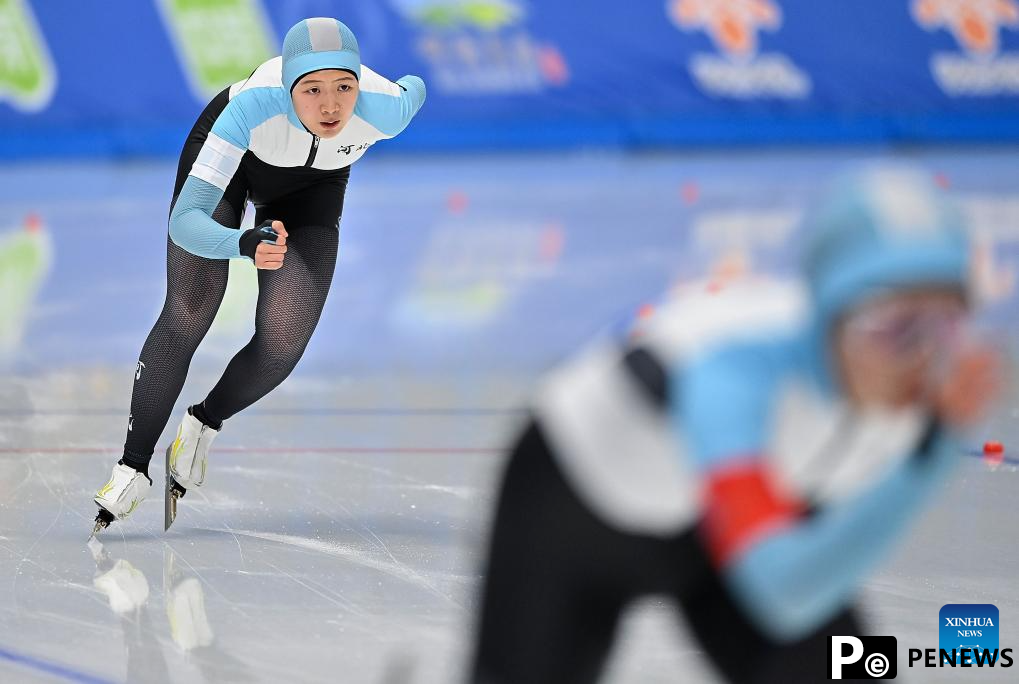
[265,255]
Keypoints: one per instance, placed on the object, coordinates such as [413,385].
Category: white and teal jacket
[260,119]
[723,417]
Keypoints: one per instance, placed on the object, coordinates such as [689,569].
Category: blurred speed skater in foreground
[753,453]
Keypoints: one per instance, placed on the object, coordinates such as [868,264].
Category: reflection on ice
[127,590]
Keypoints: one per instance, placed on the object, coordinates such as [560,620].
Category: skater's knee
[188,316]
[176,333]
[278,362]
[282,347]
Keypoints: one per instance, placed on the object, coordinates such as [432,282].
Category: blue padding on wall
[548,75]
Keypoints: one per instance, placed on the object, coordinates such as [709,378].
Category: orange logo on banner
[732,24]
[974,23]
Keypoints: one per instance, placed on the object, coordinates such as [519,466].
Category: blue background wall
[557,74]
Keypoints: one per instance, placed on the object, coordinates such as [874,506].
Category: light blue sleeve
[191,224]
[390,114]
[725,403]
[792,581]
[800,574]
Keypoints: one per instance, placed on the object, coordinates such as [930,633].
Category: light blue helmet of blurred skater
[880,228]
[319,43]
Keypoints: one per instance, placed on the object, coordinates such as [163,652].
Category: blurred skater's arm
[789,570]
[797,572]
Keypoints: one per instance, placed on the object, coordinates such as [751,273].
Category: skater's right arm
[191,224]
[789,570]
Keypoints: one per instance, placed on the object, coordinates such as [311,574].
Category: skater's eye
[345,88]
[313,90]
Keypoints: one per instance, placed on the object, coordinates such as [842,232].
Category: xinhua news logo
[870,657]
[969,627]
[967,637]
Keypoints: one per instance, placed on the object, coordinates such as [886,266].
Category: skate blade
[169,500]
[99,527]
[103,520]
[172,493]
[169,509]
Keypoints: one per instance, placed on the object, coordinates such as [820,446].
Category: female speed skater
[752,453]
[285,139]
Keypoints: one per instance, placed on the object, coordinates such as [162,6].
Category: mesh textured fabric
[192,222]
[194,290]
[290,302]
[296,42]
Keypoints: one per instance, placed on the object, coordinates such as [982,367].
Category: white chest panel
[617,450]
[825,451]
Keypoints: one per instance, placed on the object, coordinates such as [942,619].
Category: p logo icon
[853,657]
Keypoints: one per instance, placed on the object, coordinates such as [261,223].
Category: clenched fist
[270,256]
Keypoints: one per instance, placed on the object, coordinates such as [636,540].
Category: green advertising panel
[218,42]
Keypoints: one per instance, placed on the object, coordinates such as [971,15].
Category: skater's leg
[538,623]
[194,290]
[742,653]
[290,299]
[558,577]
[290,302]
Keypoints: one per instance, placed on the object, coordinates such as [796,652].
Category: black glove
[251,238]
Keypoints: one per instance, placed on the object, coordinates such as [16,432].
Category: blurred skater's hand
[268,256]
[970,386]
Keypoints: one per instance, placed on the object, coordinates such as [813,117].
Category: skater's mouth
[330,125]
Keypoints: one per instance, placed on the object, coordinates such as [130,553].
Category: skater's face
[891,348]
[324,101]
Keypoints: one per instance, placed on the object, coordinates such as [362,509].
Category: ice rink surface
[341,533]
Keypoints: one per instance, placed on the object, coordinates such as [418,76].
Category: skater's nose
[331,106]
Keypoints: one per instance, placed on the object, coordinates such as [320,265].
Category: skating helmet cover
[319,43]
[877,229]
[882,228]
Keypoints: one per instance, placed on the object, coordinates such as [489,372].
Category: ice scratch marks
[391,567]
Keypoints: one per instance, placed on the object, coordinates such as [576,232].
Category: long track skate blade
[171,495]
[99,527]
[169,498]
[103,520]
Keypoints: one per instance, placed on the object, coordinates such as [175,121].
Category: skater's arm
[793,578]
[389,106]
[789,570]
[191,224]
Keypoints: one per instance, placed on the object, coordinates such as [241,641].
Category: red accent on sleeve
[743,504]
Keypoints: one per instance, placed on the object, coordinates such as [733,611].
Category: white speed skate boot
[119,497]
[186,461]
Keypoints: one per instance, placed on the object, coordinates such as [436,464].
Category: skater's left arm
[386,105]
